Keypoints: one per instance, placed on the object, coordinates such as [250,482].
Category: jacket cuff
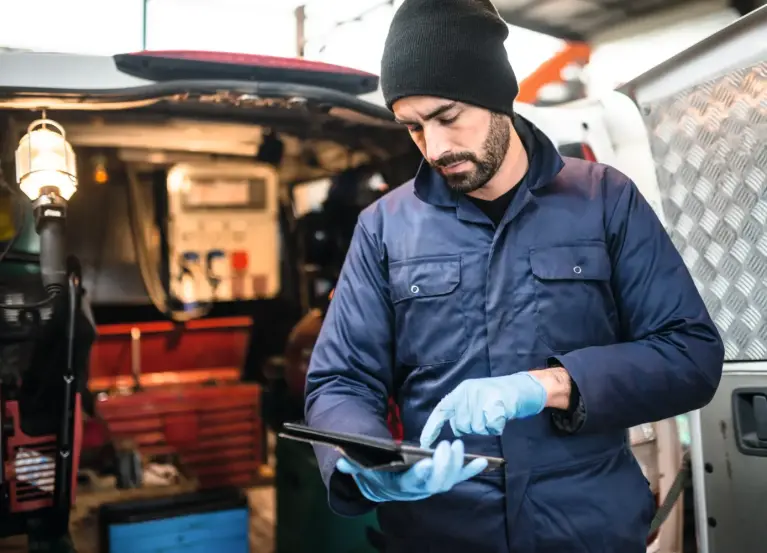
[353,416]
[569,421]
[344,496]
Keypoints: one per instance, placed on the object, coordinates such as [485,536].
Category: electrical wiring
[147,264]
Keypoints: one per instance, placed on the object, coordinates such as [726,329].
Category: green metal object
[28,241]
[304,520]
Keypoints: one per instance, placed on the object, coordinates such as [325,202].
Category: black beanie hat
[450,49]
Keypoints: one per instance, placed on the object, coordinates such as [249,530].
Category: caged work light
[46,173]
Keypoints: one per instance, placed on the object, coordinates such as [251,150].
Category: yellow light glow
[45,160]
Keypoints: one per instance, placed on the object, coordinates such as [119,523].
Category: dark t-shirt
[495,209]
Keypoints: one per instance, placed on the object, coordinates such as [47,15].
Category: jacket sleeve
[349,379]
[670,357]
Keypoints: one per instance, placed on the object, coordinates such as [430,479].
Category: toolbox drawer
[216,431]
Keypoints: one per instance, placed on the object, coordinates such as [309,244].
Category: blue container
[201,522]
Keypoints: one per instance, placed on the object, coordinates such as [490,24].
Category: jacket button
[577,270]
[415,289]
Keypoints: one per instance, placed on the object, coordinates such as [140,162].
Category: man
[515,304]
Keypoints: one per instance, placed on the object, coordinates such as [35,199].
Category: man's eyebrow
[429,116]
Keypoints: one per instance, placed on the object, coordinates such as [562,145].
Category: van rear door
[692,133]
[705,111]
[306,96]
[44,77]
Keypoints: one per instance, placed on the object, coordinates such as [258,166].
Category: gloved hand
[483,405]
[425,478]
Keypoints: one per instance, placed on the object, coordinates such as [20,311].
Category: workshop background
[349,33]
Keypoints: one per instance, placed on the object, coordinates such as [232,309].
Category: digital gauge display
[223,193]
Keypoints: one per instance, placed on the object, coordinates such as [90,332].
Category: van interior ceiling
[118,235]
[302,148]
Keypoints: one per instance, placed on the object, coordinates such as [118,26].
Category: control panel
[223,231]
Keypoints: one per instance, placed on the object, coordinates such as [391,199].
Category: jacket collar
[545,163]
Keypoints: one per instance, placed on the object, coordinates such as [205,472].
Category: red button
[239,260]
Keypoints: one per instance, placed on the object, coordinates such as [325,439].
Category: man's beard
[494,150]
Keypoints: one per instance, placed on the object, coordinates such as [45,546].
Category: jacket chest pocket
[575,306]
[430,325]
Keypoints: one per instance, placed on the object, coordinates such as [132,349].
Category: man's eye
[414,128]
[448,120]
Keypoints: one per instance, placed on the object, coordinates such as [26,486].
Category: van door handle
[760,415]
[750,417]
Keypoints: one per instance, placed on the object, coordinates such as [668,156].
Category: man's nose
[436,144]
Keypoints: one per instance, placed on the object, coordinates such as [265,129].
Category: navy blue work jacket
[579,271]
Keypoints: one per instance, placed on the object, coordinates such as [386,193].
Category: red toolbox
[174,389]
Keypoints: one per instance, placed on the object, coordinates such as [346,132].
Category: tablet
[372,453]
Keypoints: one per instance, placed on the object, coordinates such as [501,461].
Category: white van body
[692,134]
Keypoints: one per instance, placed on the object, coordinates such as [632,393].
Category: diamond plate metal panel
[710,148]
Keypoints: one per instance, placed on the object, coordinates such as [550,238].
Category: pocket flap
[571,262]
[418,278]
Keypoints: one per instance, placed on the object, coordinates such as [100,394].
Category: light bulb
[45,161]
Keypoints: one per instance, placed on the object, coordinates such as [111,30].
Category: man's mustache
[450,159]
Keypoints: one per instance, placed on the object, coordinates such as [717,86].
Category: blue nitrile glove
[427,477]
[483,405]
